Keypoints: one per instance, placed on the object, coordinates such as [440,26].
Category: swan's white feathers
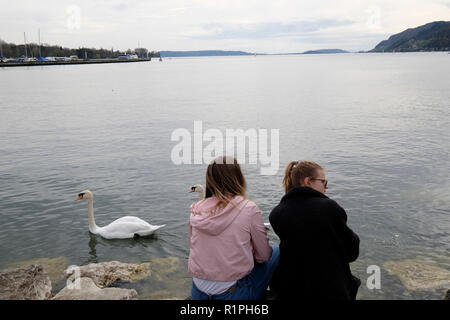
[127,227]
[131,219]
[144,233]
[122,228]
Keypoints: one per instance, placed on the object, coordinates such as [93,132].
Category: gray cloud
[266,30]
[120,7]
[352,42]
[445,3]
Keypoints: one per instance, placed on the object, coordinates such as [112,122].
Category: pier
[50,63]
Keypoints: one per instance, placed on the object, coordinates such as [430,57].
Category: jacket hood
[207,218]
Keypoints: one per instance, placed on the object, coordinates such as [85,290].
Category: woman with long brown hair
[316,245]
[230,256]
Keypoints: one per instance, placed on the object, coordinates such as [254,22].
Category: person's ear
[306,181]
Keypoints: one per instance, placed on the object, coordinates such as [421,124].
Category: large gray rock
[25,283]
[418,275]
[106,273]
[54,267]
[86,289]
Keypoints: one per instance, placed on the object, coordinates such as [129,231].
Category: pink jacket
[225,244]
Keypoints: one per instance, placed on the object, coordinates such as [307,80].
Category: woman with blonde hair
[230,257]
[316,245]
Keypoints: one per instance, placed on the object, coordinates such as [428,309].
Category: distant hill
[434,36]
[203,53]
[324,51]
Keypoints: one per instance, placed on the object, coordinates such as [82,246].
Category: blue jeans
[251,287]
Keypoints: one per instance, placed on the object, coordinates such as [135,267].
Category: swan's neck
[201,195]
[92,226]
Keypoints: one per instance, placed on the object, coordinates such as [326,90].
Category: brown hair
[297,171]
[224,180]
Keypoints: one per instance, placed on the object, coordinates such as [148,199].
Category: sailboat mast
[39,37]
[25,41]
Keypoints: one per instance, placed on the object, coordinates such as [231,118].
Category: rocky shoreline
[98,281]
[94,281]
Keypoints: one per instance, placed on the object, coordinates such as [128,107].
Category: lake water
[378,123]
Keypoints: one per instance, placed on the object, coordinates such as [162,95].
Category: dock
[70,62]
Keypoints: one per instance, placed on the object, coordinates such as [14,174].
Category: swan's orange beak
[79,197]
[192,189]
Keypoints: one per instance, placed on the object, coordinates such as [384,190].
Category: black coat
[316,246]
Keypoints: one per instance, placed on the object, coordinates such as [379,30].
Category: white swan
[199,189]
[122,228]
[201,195]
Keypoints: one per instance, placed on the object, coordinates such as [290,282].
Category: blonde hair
[224,180]
[297,171]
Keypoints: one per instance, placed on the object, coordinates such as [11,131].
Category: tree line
[11,50]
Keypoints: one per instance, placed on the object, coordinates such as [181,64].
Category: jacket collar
[303,192]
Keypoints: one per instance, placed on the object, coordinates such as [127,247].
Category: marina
[32,63]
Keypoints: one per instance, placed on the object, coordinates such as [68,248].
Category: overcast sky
[274,26]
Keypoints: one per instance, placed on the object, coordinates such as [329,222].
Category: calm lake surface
[378,123]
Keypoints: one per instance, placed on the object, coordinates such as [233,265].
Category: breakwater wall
[71,62]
